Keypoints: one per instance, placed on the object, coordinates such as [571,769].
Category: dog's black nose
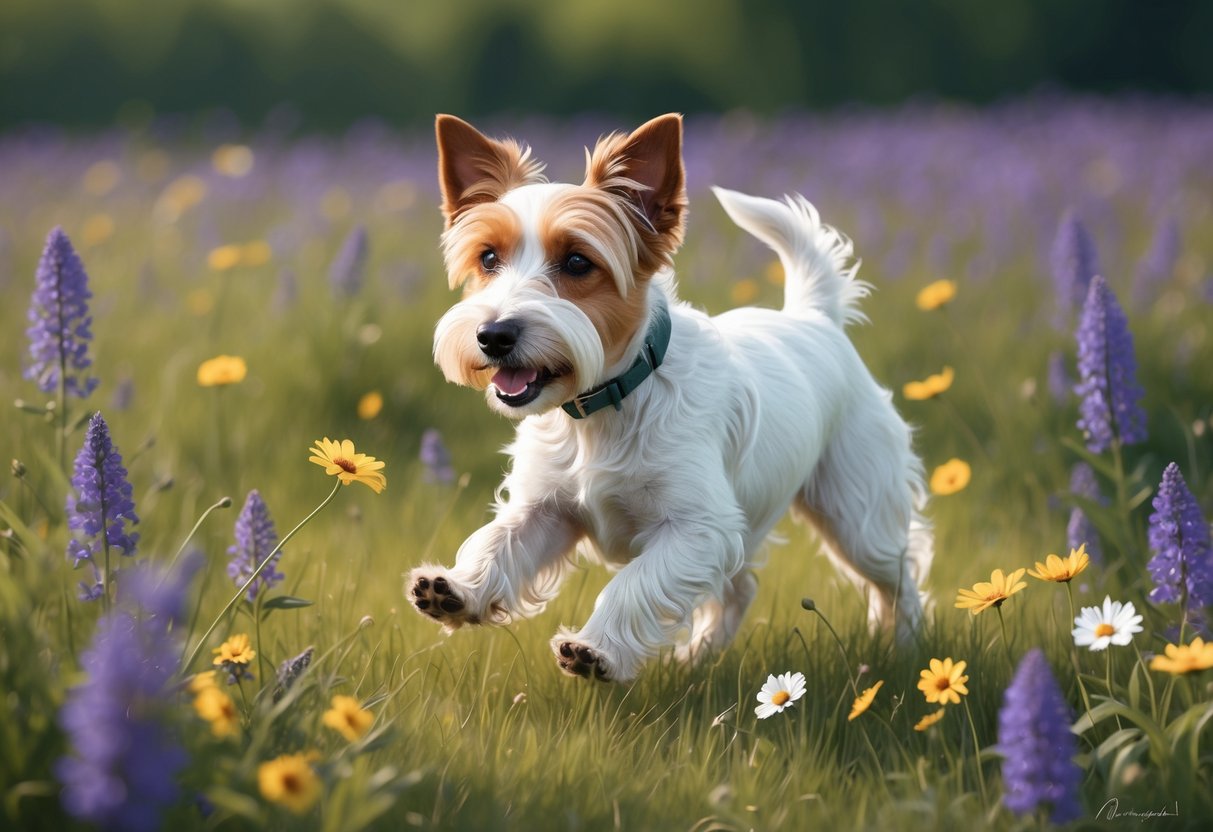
[497,338]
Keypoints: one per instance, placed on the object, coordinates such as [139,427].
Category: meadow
[315,260]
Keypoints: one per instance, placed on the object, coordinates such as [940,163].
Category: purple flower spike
[1074,263]
[1034,738]
[99,501]
[1080,529]
[1179,538]
[1158,264]
[255,539]
[436,458]
[1110,409]
[59,331]
[349,266]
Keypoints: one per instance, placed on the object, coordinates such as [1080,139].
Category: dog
[652,438]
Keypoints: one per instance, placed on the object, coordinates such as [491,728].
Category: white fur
[752,412]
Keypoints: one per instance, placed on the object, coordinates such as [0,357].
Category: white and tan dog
[660,441]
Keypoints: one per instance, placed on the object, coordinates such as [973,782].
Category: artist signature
[1111,810]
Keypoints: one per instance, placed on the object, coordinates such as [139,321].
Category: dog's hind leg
[716,621]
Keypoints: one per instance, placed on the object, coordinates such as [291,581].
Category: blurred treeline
[88,62]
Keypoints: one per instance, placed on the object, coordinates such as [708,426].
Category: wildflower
[59,322]
[1185,658]
[290,670]
[1062,570]
[222,370]
[864,700]
[234,160]
[1074,263]
[123,768]
[255,539]
[339,459]
[234,656]
[224,258]
[1059,383]
[436,458]
[101,177]
[348,718]
[1116,623]
[992,593]
[201,681]
[950,477]
[929,720]
[935,295]
[1110,409]
[779,692]
[217,708]
[1179,537]
[930,387]
[99,504]
[290,781]
[744,291]
[96,230]
[944,682]
[370,405]
[256,253]
[1036,744]
[179,196]
[1158,264]
[348,268]
[1080,530]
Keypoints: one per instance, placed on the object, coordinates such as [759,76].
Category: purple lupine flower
[1158,264]
[255,539]
[99,500]
[1038,769]
[1179,537]
[59,323]
[1110,409]
[349,266]
[1080,529]
[1074,264]
[122,770]
[290,670]
[436,458]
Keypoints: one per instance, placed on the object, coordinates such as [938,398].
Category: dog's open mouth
[519,386]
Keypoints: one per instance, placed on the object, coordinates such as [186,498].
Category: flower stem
[981,775]
[226,502]
[1003,624]
[846,658]
[235,599]
[1149,682]
[1082,689]
[1107,675]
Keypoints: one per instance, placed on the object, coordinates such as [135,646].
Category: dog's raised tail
[818,270]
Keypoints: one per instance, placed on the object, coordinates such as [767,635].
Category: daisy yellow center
[943,683]
[780,696]
[1105,630]
[291,783]
[345,465]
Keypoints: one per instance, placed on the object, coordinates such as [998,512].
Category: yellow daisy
[289,781]
[222,370]
[864,700]
[339,459]
[944,682]
[236,650]
[929,720]
[370,405]
[201,681]
[950,477]
[992,593]
[217,708]
[935,295]
[224,258]
[1185,658]
[348,718]
[1059,569]
[930,387]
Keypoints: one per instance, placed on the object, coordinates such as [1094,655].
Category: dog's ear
[646,166]
[473,168]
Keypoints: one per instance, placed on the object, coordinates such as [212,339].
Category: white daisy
[1114,624]
[779,693]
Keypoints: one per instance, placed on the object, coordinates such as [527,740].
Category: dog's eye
[577,265]
[488,260]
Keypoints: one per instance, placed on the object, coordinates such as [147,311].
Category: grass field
[201,240]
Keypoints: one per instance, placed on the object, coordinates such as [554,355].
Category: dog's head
[553,275]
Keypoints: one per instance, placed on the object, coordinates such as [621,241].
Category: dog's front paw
[577,659]
[434,595]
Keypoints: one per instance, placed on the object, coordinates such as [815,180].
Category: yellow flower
[201,681]
[348,718]
[102,177]
[222,370]
[935,295]
[1062,570]
[236,650]
[290,781]
[234,160]
[950,477]
[929,720]
[744,291]
[370,405]
[864,700]
[339,459]
[930,387]
[217,708]
[179,196]
[774,273]
[97,229]
[256,253]
[944,682]
[1185,658]
[992,593]
[224,258]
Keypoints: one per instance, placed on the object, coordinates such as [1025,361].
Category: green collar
[613,392]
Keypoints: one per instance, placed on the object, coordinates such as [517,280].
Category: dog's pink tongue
[512,382]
